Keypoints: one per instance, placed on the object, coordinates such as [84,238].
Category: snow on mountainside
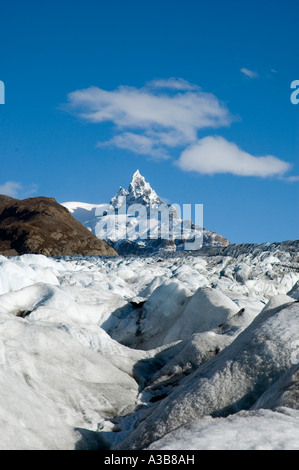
[137,221]
[138,192]
[176,350]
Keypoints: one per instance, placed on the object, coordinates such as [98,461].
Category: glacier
[174,350]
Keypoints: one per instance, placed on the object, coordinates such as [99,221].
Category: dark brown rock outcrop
[42,226]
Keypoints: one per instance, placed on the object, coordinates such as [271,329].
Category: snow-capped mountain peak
[137,179]
[139,192]
[151,227]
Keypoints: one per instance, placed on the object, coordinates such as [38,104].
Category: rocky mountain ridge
[42,226]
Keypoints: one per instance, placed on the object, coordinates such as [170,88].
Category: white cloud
[167,114]
[163,114]
[249,73]
[16,190]
[212,155]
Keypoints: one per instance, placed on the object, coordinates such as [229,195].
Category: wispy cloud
[173,83]
[17,190]
[291,179]
[10,188]
[249,73]
[149,120]
[140,144]
[212,155]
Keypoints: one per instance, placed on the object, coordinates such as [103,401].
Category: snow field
[170,351]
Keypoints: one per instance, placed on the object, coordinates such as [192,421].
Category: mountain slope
[40,225]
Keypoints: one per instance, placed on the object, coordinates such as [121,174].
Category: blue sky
[194,94]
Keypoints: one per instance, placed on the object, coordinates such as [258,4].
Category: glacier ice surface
[173,351]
